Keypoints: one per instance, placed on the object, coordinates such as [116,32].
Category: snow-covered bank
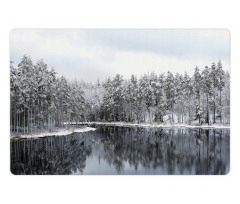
[60,132]
[122,124]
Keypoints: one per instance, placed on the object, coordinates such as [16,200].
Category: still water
[125,150]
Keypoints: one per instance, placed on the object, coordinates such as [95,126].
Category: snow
[86,129]
[57,133]
[123,124]
[119,124]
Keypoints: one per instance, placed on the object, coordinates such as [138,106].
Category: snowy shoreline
[122,124]
[64,132]
[52,134]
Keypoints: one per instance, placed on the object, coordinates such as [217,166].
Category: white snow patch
[58,133]
[86,129]
[122,124]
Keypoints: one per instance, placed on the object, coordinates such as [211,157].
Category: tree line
[40,99]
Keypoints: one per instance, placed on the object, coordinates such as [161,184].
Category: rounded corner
[227,31]
[13,174]
[13,30]
[227,172]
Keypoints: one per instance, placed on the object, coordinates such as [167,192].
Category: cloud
[184,44]
[140,63]
[45,43]
[93,53]
[62,48]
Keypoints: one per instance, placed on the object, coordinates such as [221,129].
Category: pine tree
[197,86]
[188,91]
[220,85]
[160,99]
[170,93]
[178,96]
[117,94]
[213,76]
[207,88]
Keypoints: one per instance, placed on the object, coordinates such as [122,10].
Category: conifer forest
[43,100]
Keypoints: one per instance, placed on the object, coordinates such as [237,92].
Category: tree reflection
[174,151]
[154,150]
[53,155]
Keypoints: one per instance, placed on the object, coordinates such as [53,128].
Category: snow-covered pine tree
[170,93]
[207,89]
[220,85]
[214,78]
[160,99]
[197,87]
[179,97]
[188,92]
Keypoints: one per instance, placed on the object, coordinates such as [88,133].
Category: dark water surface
[123,150]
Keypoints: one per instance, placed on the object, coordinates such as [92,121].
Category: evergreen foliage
[42,100]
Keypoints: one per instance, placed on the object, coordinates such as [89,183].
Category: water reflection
[118,150]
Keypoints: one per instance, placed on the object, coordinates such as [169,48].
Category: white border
[119,14]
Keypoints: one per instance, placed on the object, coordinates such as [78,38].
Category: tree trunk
[24,120]
[199,102]
[214,110]
[220,107]
[208,111]
[189,109]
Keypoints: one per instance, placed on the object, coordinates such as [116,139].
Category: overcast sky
[89,54]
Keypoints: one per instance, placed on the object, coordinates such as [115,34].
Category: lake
[126,150]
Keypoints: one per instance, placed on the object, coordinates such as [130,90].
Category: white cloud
[89,54]
[62,48]
[128,63]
